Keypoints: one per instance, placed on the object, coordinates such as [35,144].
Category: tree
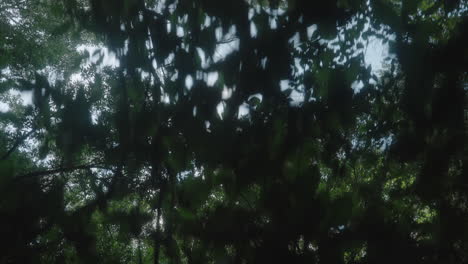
[233,132]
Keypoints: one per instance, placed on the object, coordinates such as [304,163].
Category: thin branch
[225,41]
[59,170]
[18,142]
[247,201]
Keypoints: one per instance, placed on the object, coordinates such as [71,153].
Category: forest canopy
[236,131]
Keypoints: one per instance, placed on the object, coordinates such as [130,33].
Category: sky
[374,55]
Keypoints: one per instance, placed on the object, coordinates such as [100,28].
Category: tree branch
[59,170]
[226,41]
[18,142]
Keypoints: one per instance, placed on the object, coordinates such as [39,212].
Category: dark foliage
[256,131]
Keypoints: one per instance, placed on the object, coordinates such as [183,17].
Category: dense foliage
[247,131]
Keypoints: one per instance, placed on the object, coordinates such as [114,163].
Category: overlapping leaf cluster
[233,131]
